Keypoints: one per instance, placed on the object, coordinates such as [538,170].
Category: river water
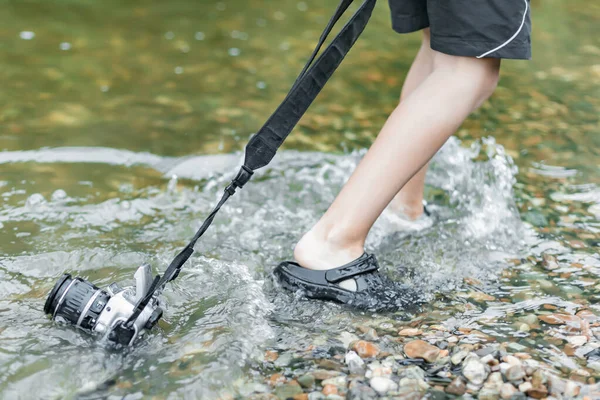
[123,121]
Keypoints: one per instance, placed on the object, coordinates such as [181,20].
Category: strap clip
[242,177]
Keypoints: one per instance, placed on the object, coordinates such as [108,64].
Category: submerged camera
[109,312]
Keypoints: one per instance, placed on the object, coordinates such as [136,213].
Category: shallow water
[121,124]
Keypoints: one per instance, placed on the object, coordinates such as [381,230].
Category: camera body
[105,312]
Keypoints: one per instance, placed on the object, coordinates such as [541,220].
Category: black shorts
[470,28]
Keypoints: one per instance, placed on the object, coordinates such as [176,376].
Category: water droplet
[27,35]
[169,35]
[185,48]
[179,70]
[199,36]
[302,6]
[234,52]
[172,185]
[58,195]
[284,46]
[279,16]
[261,22]
[65,46]
[221,6]
[104,88]
[261,85]
[35,200]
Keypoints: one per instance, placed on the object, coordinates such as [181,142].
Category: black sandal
[374,291]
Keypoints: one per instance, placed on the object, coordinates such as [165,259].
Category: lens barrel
[77,301]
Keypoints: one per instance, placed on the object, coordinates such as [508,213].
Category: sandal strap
[362,265]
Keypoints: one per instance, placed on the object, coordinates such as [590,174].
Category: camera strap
[263,146]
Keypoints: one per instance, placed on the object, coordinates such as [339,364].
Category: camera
[112,313]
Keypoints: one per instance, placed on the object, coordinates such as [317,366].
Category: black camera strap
[262,147]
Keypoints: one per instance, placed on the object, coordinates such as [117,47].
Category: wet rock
[276,379]
[488,394]
[361,392]
[577,341]
[271,356]
[515,373]
[572,390]
[457,387]
[370,333]
[412,372]
[301,396]
[459,357]
[561,319]
[549,262]
[382,385]
[366,349]
[415,384]
[329,389]
[283,360]
[355,364]
[507,391]
[316,396]
[410,332]
[339,382]
[284,392]
[539,378]
[516,347]
[347,339]
[474,370]
[421,349]
[539,392]
[556,385]
[525,386]
[306,380]
[494,381]
[322,374]
[333,397]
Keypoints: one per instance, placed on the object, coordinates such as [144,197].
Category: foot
[414,218]
[317,253]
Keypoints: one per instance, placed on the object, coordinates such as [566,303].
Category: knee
[488,77]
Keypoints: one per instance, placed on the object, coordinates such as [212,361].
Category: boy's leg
[413,133]
[409,201]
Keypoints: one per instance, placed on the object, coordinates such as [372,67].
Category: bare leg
[413,133]
[409,201]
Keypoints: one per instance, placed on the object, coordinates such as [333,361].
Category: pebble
[525,386]
[572,389]
[306,380]
[457,387]
[507,391]
[322,374]
[410,332]
[515,373]
[286,391]
[347,339]
[577,341]
[316,396]
[539,392]
[365,349]
[516,347]
[361,392]
[382,385]
[488,394]
[459,357]
[338,381]
[474,370]
[355,364]
[329,389]
[421,349]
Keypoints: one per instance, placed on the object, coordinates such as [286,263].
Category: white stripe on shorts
[513,36]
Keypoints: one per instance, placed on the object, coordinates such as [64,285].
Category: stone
[301,396]
[329,389]
[515,373]
[572,390]
[421,349]
[415,384]
[276,379]
[512,360]
[365,349]
[539,392]
[494,381]
[488,394]
[334,397]
[539,378]
[322,374]
[516,347]
[316,396]
[519,396]
[525,386]
[284,359]
[338,381]
[355,364]
[306,380]
[361,392]
[410,332]
[556,385]
[507,391]
[284,392]
[474,370]
[561,319]
[459,357]
[457,387]
[271,355]
[412,372]
[382,385]
[577,341]
[347,339]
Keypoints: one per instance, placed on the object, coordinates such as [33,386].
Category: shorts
[469,28]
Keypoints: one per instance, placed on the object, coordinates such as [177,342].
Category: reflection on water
[104,115]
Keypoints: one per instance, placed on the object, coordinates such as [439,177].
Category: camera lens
[76,301]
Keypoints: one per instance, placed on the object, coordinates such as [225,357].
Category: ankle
[322,250]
